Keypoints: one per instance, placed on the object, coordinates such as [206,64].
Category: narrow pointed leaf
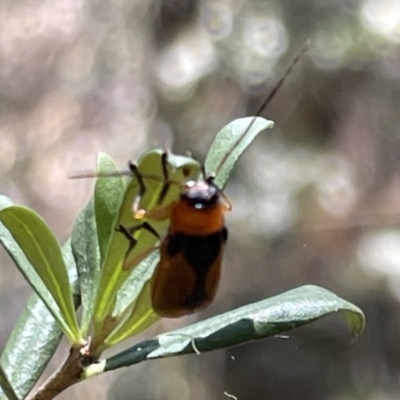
[5,384]
[225,150]
[86,252]
[107,200]
[92,232]
[36,335]
[30,347]
[141,318]
[135,283]
[41,249]
[142,314]
[278,314]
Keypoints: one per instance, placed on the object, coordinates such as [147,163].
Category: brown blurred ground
[316,200]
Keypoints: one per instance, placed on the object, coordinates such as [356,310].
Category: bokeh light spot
[217,19]
[266,36]
[382,17]
[184,62]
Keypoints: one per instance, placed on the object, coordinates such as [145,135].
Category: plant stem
[67,375]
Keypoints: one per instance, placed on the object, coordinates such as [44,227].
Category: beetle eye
[210,179]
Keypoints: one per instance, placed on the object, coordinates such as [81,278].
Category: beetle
[187,276]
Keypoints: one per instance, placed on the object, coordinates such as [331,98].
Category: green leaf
[41,249]
[30,347]
[135,283]
[226,149]
[266,318]
[86,252]
[113,275]
[107,200]
[92,232]
[141,311]
[141,318]
[69,260]
[6,385]
[36,335]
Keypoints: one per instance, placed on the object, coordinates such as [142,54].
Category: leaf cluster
[88,272]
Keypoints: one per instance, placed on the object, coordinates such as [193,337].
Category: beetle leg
[142,188]
[128,264]
[129,232]
[158,213]
[167,183]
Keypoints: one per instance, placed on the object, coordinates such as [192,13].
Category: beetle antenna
[93,174]
[132,171]
[278,85]
[266,101]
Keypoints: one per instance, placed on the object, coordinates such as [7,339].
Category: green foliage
[43,253]
[6,385]
[220,161]
[36,328]
[266,318]
[114,275]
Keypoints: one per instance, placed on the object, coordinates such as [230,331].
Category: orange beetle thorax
[199,211]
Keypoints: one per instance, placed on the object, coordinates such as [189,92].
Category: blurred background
[315,200]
